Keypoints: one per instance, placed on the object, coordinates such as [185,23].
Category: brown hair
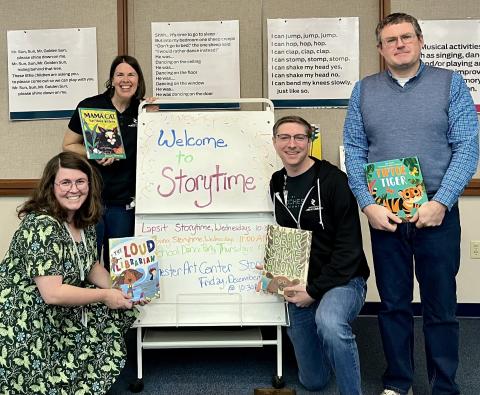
[295,119]
[130,60]
[395,19]
[43,198]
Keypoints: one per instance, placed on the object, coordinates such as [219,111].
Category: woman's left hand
[142,302]
[106,161]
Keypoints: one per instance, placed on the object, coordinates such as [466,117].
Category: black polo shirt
[119,177]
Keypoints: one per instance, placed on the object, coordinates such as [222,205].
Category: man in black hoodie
[314,195]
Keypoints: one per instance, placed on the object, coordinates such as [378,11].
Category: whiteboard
[207,269]
[208,240]
[204,162]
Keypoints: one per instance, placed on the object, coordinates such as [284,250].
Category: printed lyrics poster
[454,45]
[50,71]
[188,59]
[314,59]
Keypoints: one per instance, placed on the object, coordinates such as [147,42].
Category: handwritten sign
[204,162]
[208,255]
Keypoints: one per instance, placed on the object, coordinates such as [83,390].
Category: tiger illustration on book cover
[397,185]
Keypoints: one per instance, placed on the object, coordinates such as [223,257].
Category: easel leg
[137,386]
[277,381]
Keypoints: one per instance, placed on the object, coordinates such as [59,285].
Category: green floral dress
[45,349]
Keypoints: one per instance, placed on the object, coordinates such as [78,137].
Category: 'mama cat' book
[134,267]
[101,133]
[287,255]
[397,184]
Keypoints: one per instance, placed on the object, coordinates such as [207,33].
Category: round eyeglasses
[67,185]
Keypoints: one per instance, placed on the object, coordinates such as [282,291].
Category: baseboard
[463,309]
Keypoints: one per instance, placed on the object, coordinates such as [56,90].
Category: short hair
[309,129]
[43,199]
[130,60]
[395,19]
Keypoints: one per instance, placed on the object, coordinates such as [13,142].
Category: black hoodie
[337,251]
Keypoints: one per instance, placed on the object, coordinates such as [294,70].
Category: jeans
[436,252]
[323,340]
[116,221]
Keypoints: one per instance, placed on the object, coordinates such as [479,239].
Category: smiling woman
[53,288]
[125,88]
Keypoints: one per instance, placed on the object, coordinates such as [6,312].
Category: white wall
[467,280]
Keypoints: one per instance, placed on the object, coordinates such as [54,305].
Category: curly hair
[43,199]
[130,60]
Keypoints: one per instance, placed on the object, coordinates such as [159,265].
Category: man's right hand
[381,218]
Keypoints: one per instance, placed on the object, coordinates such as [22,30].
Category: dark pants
[436,254]
[117,221]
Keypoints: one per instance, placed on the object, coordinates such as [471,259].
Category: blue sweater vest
[409,121]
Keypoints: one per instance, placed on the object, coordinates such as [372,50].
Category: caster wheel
[278,382]
[136,386]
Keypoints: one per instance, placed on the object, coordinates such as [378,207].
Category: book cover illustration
[134,267]
[316,145]
[101,133]
[397,184]
[287,255]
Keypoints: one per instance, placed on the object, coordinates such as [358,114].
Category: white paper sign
[313,58]
[50,71]
[204,162]
[454,45]
[196,59]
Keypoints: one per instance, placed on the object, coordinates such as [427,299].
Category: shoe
[392,392]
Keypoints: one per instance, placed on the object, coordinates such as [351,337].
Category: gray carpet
[239,371]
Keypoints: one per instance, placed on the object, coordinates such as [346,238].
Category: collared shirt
[462,135]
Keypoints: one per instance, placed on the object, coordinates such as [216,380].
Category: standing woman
[125,89]
[61,324]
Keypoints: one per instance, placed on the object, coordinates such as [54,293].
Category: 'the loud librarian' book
[101,133]
[397,185]
[287,255]
[134,267]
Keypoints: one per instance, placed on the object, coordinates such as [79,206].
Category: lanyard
[79,259]
[80,265]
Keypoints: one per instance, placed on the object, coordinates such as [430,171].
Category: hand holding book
[294,294]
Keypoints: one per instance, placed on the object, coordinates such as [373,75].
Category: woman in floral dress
[61,325]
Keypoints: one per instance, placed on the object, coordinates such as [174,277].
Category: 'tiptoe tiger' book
[398,185]
[101,133]
[287,256]
[134,267]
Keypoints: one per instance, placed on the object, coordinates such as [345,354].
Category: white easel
[182,304]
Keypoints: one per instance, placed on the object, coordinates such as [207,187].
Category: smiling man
[413,109]
[314,195]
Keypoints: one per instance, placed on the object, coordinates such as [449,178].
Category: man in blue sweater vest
[412,109]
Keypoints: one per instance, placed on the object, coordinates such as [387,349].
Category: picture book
[134,267]
[397,184]
[101,133]
[316,146]
[287,255]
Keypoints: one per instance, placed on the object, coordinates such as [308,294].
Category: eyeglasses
[286,138]
[67,185]
[407,38]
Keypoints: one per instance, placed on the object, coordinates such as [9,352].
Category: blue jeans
[323,340]
[116,221]
[436,252]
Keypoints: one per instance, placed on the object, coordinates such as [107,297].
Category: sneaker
[392,392]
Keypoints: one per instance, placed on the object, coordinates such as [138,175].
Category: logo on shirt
[313,206]
[133,124]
